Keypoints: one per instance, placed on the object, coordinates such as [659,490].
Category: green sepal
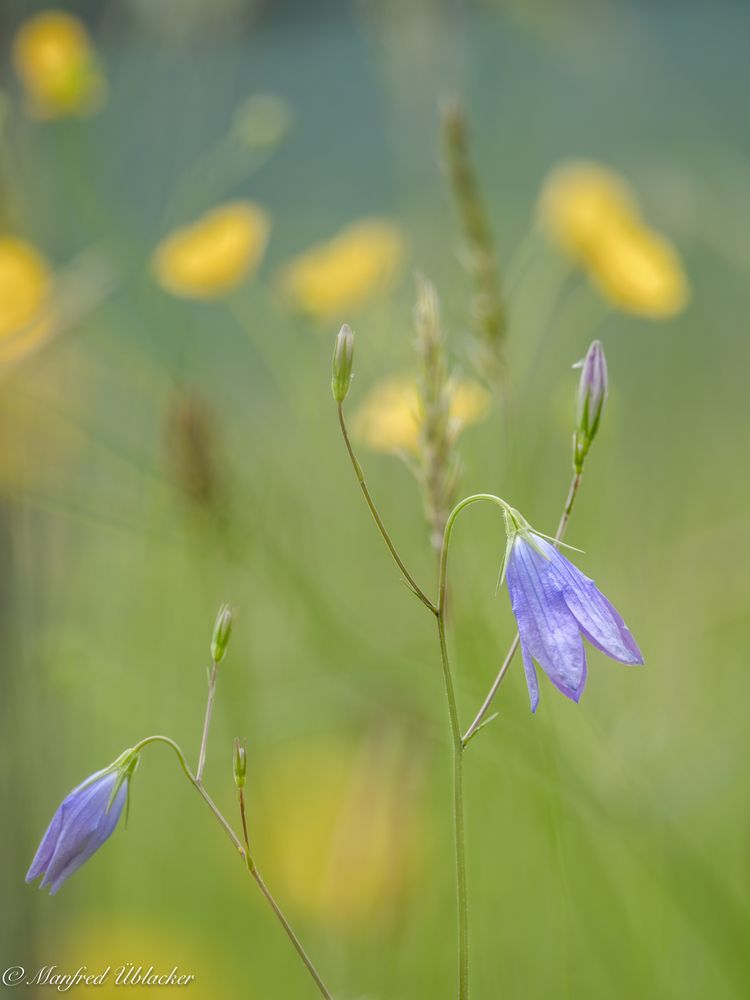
[125,765]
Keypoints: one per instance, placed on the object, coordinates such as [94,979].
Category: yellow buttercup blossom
[581,202]
[25,287]
[213,255]
[335,277]
[57,65]
[593,216]
[341,829]
[640,272]
[389,418]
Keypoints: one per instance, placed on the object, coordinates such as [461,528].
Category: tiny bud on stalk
[222,631]
[240,763]
[592,393]
[343,356]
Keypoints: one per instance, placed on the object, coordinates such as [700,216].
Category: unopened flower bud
[343,356]
[592,393]
[222,631]
[240,763]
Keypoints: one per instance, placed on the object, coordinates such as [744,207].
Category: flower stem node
[592,394]
[239,760]
[222,631]
[343,357]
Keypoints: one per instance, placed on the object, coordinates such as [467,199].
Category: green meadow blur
[160,456]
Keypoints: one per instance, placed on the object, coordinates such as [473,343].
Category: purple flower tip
[555,606]
[84,820]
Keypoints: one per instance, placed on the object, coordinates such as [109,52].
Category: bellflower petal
[547,628]
[84,820]
[532,681]
[599,621]
[46,848]
[555,605]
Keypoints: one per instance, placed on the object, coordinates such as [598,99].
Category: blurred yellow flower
[593,216]
[581,202]
[335,277]
[25,287]
[470,403]
[640,272]
[389,418]
[213,255]
[343,831]
[57,65]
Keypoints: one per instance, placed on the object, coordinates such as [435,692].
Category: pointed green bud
[222,631]
[592,394]
[343,356]
[240,763]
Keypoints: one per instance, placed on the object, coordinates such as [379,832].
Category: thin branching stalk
[413,586]
[253,869]
[242,850]
[458,780]
[198,785]
[207,720]
[439,610]
[458,742]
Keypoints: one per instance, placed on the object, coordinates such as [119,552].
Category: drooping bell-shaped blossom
[84,820]
[556,606]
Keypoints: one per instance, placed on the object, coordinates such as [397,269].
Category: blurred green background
[161,455]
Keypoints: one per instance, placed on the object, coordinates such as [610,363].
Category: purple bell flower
[555,606]
[84,820]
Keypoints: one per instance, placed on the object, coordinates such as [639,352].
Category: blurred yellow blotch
[25,288]
[360,262]
[57,65]
[120,946]
[341,828]
[213,255]
[593,216]
[581,202]
[640,272]
[389,418]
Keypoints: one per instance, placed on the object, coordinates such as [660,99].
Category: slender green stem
[575,483]
[458,814]
[479,718]
[207,720]
[461,505]
[458,742]
[322,989]
[243,816]
[244,851]
[561,528]
[458,747]
[439,610]
[193,779]
[252,868]
[413,586]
